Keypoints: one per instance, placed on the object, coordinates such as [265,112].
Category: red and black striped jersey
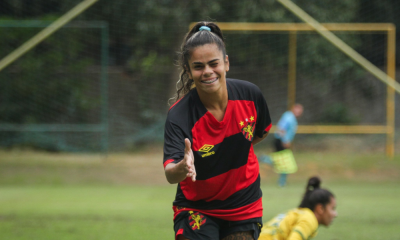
[227,183]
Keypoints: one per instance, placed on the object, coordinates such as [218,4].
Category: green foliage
[337,113]
[47,79]
[160,26]
[144,36]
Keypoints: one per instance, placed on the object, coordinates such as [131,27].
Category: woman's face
[329,212]
[208,68]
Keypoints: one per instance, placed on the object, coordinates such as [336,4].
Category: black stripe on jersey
[241,90]
[228,155]
[239,199]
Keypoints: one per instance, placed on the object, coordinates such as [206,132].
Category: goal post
[293,28]
[388,78]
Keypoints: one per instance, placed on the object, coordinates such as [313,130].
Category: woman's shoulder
[184,108]
[307,214]
[180,107]
[305,211]
[306,222]
[242,88]
[241,83]
[183,103]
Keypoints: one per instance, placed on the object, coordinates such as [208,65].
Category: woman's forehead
[204,52]
[333,201]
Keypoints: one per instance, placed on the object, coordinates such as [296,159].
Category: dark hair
[315,195]
[195,38]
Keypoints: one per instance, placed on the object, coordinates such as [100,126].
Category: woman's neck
[216,103]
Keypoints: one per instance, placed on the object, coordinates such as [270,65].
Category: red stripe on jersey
[224,185]
[252,210]
[207,130]
[179,232]
[175,103]
[168,161]
[268,128]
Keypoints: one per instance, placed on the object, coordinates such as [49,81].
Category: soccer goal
[386,125]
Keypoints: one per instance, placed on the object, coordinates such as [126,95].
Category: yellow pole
[292,68]
[390,99]
[389,127]
[300,27]
[337,129]
[341,45]
[28,45]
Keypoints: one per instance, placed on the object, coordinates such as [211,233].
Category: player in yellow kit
[317,207]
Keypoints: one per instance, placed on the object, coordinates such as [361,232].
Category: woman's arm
[257,139]
[305,228]
[177,172]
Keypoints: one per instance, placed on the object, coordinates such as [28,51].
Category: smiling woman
[208,143]
[208,70]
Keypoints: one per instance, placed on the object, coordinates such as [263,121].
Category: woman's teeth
[210,81]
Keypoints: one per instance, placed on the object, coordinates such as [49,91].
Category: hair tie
[204,28]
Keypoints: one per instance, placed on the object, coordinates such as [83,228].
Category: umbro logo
[206,149]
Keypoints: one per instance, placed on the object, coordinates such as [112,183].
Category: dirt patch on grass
[145,167]
[30,168]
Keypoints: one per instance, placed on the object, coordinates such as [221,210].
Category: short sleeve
[303,230]
[174,143]
[263,124]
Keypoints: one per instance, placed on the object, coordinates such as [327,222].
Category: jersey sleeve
[174,143]
[303,230]
[263,118]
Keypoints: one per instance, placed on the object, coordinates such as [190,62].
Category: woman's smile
[210,81]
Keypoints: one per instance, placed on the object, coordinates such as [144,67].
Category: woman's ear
[319,209]
[226,63]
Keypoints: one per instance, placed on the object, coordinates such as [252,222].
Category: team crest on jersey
[196,220]
[248,130]
[206,149]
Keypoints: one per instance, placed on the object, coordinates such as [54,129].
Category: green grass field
[125,196]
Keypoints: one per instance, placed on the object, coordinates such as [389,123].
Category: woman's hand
[188,161]
[177,172]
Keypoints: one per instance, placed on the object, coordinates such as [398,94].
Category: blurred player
[284,135]
[318,207]
[208,144]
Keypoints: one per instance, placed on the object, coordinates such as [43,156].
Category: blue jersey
[287,123]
